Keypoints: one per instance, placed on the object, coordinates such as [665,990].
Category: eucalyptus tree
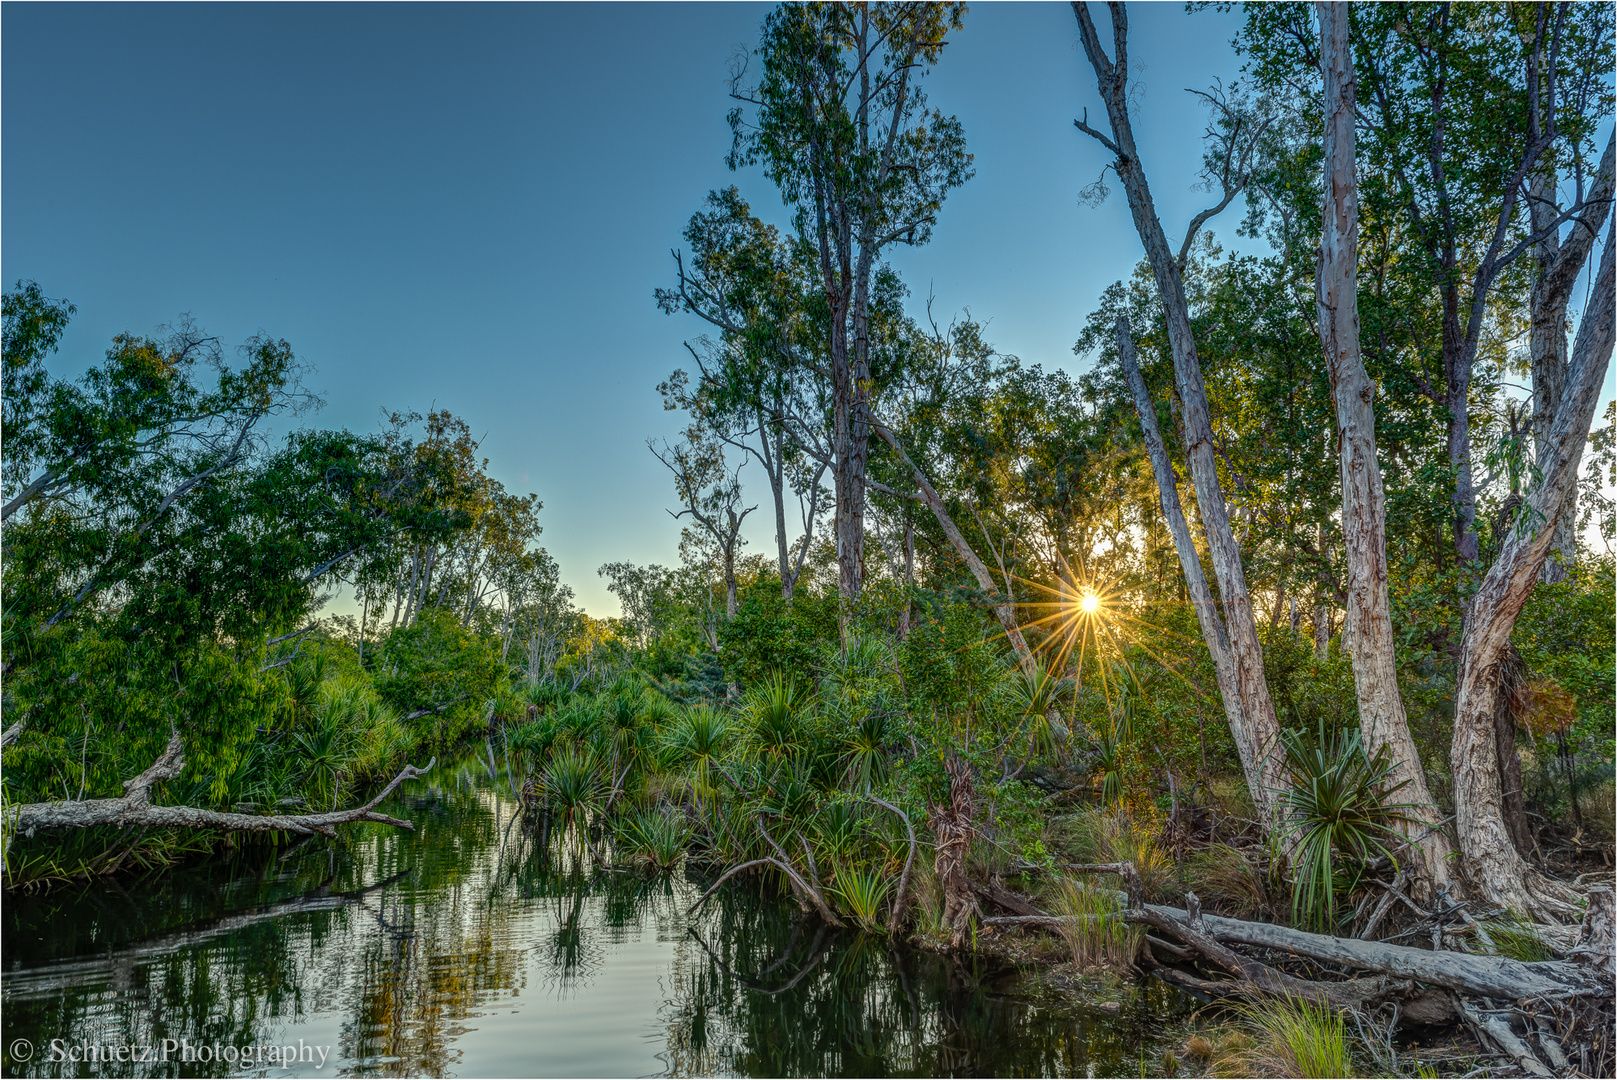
[751,384]
[1256,727]
[710,495]
[1463,111]
[838,120]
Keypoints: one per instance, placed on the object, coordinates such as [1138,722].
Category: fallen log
[136,808]
[1486,976]
[1000,896]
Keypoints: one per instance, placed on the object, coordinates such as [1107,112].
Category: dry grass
[1232,798]
[1287,1038]
[1599,805]
[1117,836]
[1224,875]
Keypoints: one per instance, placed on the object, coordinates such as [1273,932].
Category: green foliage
[862,893]
[657,836]
[768,634]
[1517,938]
[1339,812]
[439,675]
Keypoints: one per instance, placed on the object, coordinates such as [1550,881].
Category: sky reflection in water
[479,946]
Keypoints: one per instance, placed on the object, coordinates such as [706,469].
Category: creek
[479,946]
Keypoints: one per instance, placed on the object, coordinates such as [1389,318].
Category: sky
[469,206]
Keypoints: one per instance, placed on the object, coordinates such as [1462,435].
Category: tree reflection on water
[484,943]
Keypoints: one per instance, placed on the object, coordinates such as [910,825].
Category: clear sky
[468,206]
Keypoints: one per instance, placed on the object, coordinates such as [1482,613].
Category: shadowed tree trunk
[1491,860]
[1558,267]
[1367,633]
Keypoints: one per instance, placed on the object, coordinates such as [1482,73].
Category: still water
[479,946]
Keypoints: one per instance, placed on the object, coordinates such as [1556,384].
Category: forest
[1265,647]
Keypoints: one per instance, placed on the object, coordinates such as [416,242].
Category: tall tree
[1367,634]
[1262,729]
[840,123]
[1499,871]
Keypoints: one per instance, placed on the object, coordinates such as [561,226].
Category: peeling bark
[1499,873]
[1367,634]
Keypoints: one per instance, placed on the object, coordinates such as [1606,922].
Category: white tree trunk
[1491,861]
[1367,635]
[1201,596]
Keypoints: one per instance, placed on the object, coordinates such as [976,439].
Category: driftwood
[1493,1027]
[136,808]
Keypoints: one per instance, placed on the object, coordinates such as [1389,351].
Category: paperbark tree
[1498,871]
[1214,632]
[1367,634]
[1558,264]
[1257,708]
[841,125]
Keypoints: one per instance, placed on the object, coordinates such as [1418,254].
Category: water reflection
[485,944]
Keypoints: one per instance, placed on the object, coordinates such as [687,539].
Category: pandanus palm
[698,738]
[1340,807]
[572,784]
[1035,694]
[777,709]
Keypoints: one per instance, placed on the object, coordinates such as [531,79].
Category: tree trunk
[979,570]
[775,468]
[1367,634]
[1247,742]
[1500,874]
[1557,269]
[1239,621]
[951,826]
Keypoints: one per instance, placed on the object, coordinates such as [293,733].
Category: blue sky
[468,206]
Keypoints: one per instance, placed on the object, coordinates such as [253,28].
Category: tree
[710,495]
[1367,634]
[841,125]
[1260,729]
[1501,874]
[742,279]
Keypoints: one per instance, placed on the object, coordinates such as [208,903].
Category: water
[471,948]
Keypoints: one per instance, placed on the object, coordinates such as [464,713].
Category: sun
[1090,603]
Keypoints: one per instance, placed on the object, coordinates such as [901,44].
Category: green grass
[1291,1038]
[1095,933]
